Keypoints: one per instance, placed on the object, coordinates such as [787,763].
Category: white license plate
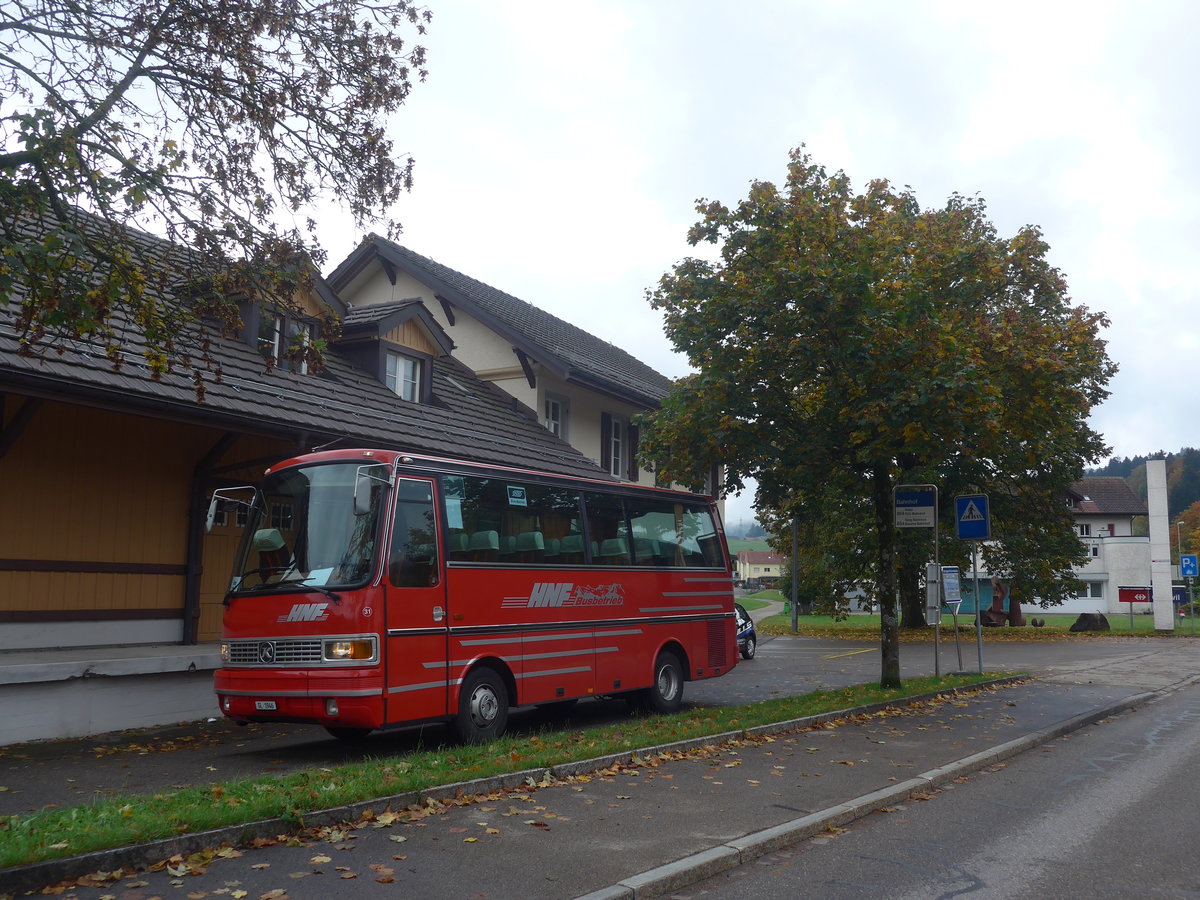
[265,704]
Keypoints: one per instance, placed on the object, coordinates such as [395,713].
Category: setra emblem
[266,652]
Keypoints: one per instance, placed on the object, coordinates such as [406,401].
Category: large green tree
[210,122]
[845,343]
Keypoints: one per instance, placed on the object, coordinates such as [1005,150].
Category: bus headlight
[225,651]
[338,650]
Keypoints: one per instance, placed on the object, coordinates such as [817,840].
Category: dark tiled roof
[374,321]
[1106,495]
[468,418]
[373,315]
[759,556]
[567,350]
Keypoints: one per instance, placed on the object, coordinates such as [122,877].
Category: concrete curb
[683,872]
[37,875]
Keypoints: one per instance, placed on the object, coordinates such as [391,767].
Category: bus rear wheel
[482,707]
[665,695]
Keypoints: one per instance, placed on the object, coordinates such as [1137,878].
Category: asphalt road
[1104,812]
[70,772]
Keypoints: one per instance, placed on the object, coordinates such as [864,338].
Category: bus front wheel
[482,707]
[665,695]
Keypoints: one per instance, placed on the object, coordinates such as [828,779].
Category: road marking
[852,653]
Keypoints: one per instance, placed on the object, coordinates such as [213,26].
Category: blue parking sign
[1187,565]
[972,519]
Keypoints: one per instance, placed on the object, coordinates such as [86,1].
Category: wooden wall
[96,511]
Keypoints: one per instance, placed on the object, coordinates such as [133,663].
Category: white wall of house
[1116,562]
[492,358]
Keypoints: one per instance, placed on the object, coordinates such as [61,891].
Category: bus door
[417,617]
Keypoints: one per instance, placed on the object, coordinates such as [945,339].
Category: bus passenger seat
[572,548]
[459,545]
[531,546]
[614,552]
[484,546]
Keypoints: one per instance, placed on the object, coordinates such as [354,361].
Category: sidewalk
[637,826]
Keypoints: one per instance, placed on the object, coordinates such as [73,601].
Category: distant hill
[1183,476]
[737,545]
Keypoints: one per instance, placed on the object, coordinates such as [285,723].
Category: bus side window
[412,560]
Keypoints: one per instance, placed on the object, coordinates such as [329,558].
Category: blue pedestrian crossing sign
[972,518]
[1187,565]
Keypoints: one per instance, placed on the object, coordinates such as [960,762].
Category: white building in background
[1104,509]
[759,564]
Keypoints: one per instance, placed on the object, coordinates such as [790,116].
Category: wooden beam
[9,433]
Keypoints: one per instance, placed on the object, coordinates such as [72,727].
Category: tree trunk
[889,618]
[912,598]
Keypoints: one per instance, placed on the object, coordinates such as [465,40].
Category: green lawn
[737,545]
[866,627]
[55,832]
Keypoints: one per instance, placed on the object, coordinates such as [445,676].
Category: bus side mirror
[362,498]
[224,494]
[362,495]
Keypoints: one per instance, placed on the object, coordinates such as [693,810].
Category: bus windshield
[303,529]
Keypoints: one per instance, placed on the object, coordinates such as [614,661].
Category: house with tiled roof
[759,565]
[110,587]
[1104,508]
[584,389]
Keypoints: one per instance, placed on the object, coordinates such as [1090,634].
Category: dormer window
[403,376]
[277,334]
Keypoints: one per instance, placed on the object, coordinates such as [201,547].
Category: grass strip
[59,832]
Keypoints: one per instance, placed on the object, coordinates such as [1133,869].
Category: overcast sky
[561,147]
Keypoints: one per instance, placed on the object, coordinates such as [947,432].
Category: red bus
[374,589]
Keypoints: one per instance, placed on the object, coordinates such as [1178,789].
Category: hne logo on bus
[306,612]
[566,593]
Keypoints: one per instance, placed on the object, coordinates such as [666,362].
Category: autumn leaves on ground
[523,807]
[59,832]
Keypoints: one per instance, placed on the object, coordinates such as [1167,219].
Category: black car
[747,637]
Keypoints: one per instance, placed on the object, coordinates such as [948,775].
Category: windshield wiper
[300,583]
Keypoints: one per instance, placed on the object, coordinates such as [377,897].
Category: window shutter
[633,443]
[606,442]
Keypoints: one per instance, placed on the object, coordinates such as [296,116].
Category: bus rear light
[338,650]
[331,708]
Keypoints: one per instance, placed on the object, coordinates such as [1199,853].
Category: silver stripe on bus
[547,637]
[414,632]
[661,609]
[694,593]
[427,686]
[523,657]
[554,672]
[366,693]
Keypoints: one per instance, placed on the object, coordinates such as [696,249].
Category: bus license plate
[265,705]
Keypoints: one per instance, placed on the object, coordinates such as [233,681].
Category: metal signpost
[973,522]
[915,506]
[1187,569]
[1131,595]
